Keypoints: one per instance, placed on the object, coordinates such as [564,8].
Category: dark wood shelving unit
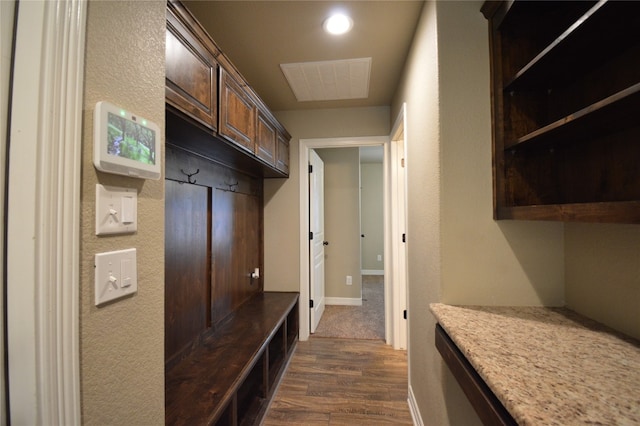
[227,341]
[230,378]
[565,91]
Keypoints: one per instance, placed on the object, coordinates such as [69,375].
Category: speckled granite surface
[549,366]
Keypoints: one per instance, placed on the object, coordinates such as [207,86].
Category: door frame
[392,317]
[396,211]
[43,213]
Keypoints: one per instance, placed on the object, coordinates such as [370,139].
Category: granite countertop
[549,366]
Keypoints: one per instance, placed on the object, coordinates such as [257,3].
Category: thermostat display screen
[125,143]
[128,139]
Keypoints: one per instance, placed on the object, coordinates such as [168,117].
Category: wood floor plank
[342,382]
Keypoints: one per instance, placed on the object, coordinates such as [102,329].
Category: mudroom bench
[231,376]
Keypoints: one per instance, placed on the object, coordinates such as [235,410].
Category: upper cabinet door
[237,113]
[282,154]
[191,72]
[265,138]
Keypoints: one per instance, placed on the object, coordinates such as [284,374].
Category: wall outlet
[349,280]
[379,258]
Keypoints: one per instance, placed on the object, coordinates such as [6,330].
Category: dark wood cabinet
[282,153]
[234,126]
[565,82]
[237,112]
[191,70]
[266,134]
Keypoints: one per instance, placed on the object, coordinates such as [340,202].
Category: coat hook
[188,175]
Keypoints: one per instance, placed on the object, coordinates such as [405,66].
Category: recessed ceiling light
[338,24]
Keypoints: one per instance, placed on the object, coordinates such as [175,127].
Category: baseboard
[413,408]
[372,272]
[347,301]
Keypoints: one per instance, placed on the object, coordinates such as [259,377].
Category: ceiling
[259,36]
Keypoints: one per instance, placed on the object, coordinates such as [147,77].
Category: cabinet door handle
[325,243]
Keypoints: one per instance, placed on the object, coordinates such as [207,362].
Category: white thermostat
[125,143]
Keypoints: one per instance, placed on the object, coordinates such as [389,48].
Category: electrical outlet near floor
[379,258]
[349,280]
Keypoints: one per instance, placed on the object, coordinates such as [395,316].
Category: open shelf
[565,95]
[627,212]
[585,45]
[614,112]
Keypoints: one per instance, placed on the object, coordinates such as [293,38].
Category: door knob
[325,243]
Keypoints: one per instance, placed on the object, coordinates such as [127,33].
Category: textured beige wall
[484,262]
[341,221]
[603,273]
[419,89]
[282,196]
[372,215]
[122,344]
[457,254]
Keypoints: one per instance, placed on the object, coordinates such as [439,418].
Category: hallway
[342,382]
[357,322]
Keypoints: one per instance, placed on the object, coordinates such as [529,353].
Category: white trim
[44,213]
[389,283]
[372,272]
[7,14]
[343,301]
[396,225]
[303,156]
[413,408]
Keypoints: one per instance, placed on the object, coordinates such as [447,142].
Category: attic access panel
[329,80]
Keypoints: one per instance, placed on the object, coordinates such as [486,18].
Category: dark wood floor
[342,382]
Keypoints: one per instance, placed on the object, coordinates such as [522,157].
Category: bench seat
[231,376]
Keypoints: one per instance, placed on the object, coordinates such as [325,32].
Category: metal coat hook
[188,175]
[231,186]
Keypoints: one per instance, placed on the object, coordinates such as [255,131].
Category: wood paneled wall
[187,270]
[213,241]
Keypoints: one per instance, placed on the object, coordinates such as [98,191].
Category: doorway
[354,225]
[394,320]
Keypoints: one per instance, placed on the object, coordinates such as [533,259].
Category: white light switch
[115,275]
[116,210]
[128,209]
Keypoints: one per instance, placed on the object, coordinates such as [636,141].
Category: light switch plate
[115,275]
[116,210]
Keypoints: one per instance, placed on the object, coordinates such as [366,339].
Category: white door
[316,239]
